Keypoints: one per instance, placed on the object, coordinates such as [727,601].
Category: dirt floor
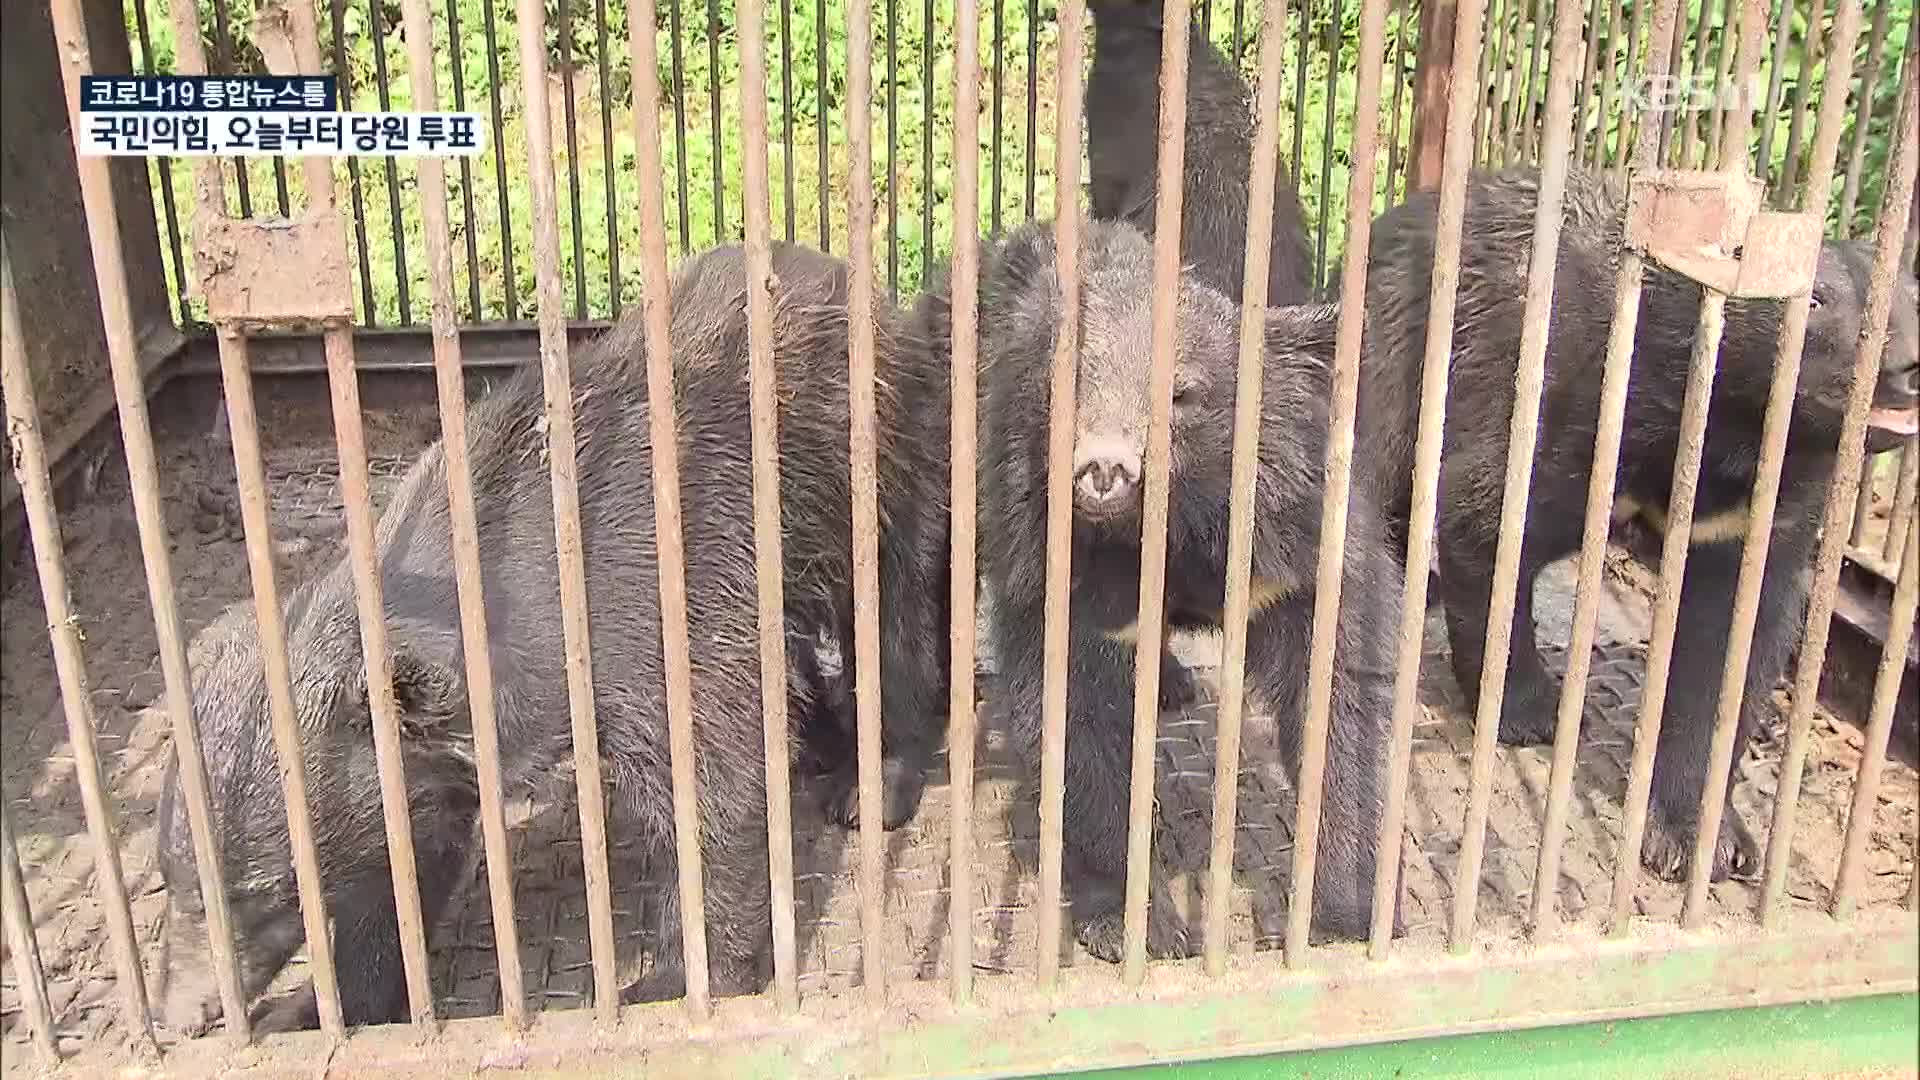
[109,593]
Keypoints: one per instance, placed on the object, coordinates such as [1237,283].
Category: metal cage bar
[962,732]
[1810,58]
[1886,692]
[63,627]
[356,496]
[864,449]
[1066,358]
[163,168]
[1321,239]
[786,119]
[764,387]
[27,972]
[463,524]
[1609,428]
[680,126]
[1175,28]
[507,276]
[1522,435]
[1033,94]
[1339,476]
[607,161]
[820,112]
[1773,439]
[143,473]
[1627,139]
[475,311]
[563,12]
[344,71]
[561,451]
[1456,165]
[1863,112]
[1903,500]
[1776,83]
[1262,183]
[1722,71]
[384,85]
[1673,557]
[714,114]
[893,151]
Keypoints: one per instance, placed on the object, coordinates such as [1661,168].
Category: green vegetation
[382,197]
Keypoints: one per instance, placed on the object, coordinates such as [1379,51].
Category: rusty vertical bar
[27,971]
[383,85]
[1365,152]
[1598,154]
[471,232]
[1721,69]
[1321,239]
[786,120]
[417,24]
[1810,58]
[363,555]
[1483,107]
[1886,693]
[680,129]
[1609,426]
[714,117]
[961,717]
[344,71]
[1527,135]
[163,168]
[893,149]
[1300,89]
[1630,122]
[1696,56]
[1665,113]
[1156,469]
[1463,95]
[564,41]
[507,276]
[1776,85]
[1903,497]
[1395,157]
[250,478]
[1066,359]
[669,535]
[1588,87]
[223,64]
[1263,180]
[1499,144]
[1851,469]
[1863,498]
[1773,438]
[63,628]
[999,120]
[764,393]
[608,162]
[1033,98]
[866,516]
[1722,88]
[1434,76]
[561,450]
[927,114]
[350,434]
[822,171]
[1673,552]
[1521,436]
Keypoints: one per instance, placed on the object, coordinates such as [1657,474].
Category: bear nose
[1105,481]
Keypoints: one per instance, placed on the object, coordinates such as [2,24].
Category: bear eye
[1814,300]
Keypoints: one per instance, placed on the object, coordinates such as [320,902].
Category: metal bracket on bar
[1709,226]
[278,272]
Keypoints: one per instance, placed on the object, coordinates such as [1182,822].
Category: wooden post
[1432,88]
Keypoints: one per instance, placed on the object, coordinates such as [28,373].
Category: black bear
[515,512]
[1495,242]
[1020,298]
[1123,116]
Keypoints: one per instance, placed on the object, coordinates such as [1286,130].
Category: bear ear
[431,697]
[1025,254]
[1303,330]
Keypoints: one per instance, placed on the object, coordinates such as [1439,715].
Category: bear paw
[1667,850]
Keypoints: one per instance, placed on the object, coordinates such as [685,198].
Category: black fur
[1019,304]
[1496,241]
[1123,106]
[514,504]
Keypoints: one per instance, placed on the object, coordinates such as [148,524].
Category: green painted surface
[1871,1036]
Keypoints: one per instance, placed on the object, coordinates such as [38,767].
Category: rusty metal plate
[278,272]
[1709,226]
